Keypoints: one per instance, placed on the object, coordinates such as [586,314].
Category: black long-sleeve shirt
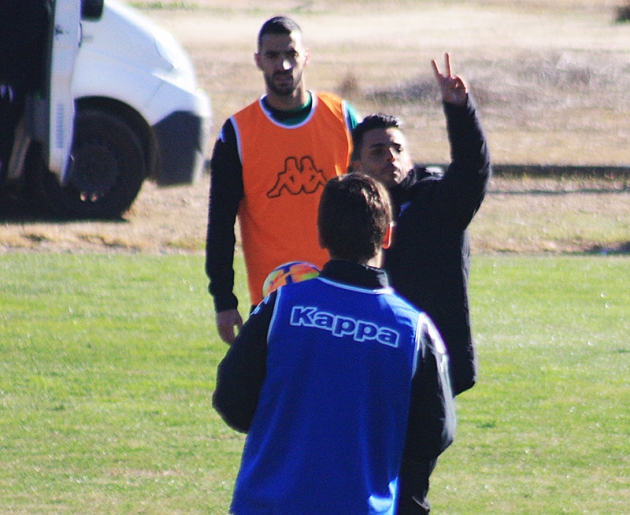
[429,261]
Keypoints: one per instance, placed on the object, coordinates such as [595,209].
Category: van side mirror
[91,10]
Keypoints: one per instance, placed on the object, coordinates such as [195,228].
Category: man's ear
[320,241]
[355,165]
[257,60]
[389,236]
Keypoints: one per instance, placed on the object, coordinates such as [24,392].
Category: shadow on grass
[618,249]
[557,192]
[563,172]
[554,180]
[22,209]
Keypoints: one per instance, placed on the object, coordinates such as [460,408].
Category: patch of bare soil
[554,215]
[519,214]
[162,220]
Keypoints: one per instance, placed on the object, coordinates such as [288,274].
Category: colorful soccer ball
[288,273]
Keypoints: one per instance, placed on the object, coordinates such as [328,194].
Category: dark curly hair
[354,214]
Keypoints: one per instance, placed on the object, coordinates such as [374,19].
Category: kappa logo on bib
[340,326]
[298,178]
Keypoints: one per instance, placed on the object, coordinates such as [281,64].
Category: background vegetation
[550,76]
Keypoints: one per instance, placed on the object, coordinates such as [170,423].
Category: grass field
[108,363]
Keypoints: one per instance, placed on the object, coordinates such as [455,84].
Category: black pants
[414,487]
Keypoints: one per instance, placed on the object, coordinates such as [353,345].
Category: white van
[120,104]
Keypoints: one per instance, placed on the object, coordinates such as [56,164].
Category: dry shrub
[349,86]
[623,13]
[418,90]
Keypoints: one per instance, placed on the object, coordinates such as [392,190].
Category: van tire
[106,172]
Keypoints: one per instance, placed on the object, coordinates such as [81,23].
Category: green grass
[107,367]
[546,428]
[106,374]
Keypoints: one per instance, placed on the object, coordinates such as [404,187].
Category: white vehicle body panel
[120,59]
[65,47]
[116,61]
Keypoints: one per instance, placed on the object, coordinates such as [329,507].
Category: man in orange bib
[268,169]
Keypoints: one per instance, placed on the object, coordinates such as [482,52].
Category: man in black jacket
[428,262]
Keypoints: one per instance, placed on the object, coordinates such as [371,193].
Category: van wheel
[107,170]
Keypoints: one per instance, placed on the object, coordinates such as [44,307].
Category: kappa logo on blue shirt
[340,326]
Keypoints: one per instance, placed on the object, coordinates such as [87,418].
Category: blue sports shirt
[329,429]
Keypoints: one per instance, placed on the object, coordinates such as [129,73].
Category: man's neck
[289,117]
[375,261]
[287,103]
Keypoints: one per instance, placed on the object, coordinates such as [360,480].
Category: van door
[64,46]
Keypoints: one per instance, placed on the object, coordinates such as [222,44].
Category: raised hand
[453,88]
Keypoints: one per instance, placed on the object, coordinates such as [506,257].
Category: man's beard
[282,91]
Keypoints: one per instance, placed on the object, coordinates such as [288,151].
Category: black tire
[106,174]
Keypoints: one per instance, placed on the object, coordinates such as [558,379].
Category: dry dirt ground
[550,77]
[519,215]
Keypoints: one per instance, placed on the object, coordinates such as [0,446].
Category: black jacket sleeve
[463,187]
[431,426]
[241,373]
[226,192]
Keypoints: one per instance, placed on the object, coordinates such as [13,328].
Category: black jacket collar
[355,274]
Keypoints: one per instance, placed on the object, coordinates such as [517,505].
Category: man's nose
[285,65]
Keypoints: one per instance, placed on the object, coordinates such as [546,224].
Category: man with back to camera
[268,167]
[428,263]
[328,374]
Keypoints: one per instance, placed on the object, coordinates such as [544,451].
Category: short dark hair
[371,122]
[278,25]
[353,217]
